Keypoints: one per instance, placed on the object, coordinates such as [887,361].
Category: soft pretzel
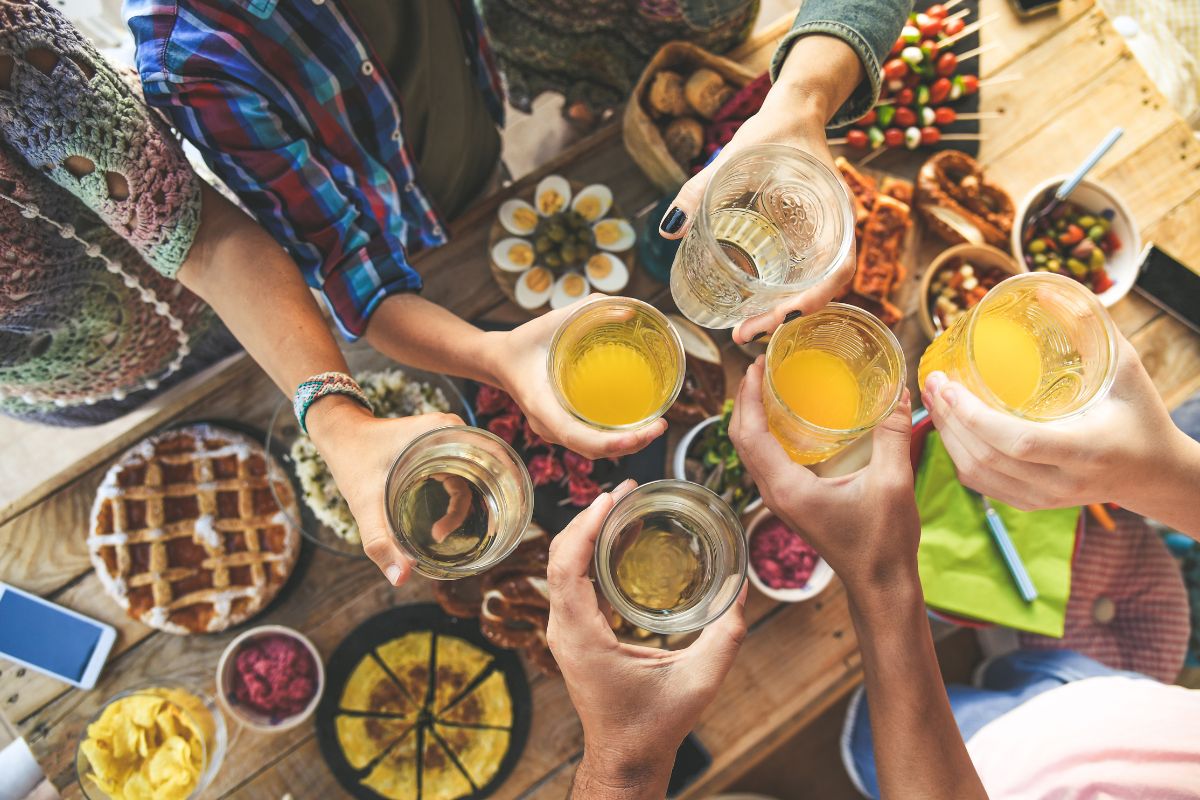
[959,204]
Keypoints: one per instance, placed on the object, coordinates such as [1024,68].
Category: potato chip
[146,746]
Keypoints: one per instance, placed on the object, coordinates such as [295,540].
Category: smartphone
[1169,284]
[690,762]
[53,640]
[1028,8]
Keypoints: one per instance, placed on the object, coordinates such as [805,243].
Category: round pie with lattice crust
[186,534]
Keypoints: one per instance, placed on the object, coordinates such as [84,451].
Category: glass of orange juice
[1038,345]
[830,378]
[616,363]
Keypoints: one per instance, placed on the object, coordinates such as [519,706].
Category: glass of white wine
[458,500]
[774,221]
[671,557]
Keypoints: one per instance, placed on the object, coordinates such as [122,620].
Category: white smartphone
[53,640]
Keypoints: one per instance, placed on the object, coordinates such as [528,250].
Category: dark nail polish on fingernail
[793,315]
[673,221]
[758,336]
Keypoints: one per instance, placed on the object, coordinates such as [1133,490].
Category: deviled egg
[513,255]
[592,202]
[614,235]
[607,272]
[553,195]
[518,217]
[570,287]
[534,288]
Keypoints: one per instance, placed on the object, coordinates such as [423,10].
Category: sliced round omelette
[370,689]
[364,739]
[395,776]
[488,704]
[441,779]
[479,751]
[407,658]
[459,664]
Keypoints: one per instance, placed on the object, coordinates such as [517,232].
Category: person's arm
[866,527]
[826,71]
[636,703]
[1124,450]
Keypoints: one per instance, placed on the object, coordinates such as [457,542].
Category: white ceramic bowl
[679,460]
[822,573]
[1122,266]
[249,717]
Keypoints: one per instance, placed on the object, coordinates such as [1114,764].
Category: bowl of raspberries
[783,566]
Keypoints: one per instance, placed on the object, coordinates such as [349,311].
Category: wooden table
[1079,80]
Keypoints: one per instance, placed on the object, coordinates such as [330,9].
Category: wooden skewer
[949,4]
[871,156]
[966,12]
[946,137]
[978,115]
[966,31]
[977,51]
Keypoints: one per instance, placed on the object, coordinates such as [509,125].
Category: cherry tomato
[930,135]
[905,117]
[970,84]
[953,26]
[946,64]
[895,69]
[944,115]
[894,137]
[937,11]
[904,97]
[931,28]
[856,138]
[867,119]
[939,90]
[930,48]
[898,46]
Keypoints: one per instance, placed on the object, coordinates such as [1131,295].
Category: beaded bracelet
[316,387]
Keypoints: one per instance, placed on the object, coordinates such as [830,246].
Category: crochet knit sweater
[98,209]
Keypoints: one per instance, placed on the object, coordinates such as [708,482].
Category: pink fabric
[1095,739]
[1128,607]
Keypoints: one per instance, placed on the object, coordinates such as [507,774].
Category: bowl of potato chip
[165,741]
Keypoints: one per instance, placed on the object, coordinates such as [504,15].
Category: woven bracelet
[313,389]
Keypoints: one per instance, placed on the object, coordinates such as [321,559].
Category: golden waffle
[186,534]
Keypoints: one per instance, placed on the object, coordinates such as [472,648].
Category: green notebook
[961,568]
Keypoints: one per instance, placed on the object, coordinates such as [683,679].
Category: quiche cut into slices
[425,717]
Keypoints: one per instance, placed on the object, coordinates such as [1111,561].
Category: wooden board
[797,660]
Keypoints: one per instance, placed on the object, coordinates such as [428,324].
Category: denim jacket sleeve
[870,27]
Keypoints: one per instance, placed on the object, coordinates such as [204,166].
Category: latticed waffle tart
[186,534]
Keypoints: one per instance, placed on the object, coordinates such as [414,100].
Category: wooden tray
[643,139]
[507,281]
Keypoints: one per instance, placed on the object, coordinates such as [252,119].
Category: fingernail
[793,315]
[392,573]
[673,221]
[599,497]
[934,382]
[950,396]
[758,336]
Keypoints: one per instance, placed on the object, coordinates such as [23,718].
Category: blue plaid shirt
[294,112]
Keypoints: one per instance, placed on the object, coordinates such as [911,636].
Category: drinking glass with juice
[458,500]
[671,556]
[830,378]
[774,221]
[1038,345]
[616,363]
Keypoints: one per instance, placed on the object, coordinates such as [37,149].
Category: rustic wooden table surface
[1078,81]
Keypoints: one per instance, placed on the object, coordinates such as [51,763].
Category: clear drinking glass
[196,708]
[1038,345]
[848,366]
[671,556]
[616,363]
[774,221]
[458,499]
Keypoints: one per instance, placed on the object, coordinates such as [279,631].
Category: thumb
[891,439]
[381,548]
[678,219]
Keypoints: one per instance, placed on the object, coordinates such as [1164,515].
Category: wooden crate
[643,138]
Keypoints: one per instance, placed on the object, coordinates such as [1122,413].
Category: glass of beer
[830,378]
[1038,345]
[774,221]
[616,363]
[671,556]
[458,500]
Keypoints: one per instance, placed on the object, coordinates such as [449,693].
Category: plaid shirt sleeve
[260,153]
